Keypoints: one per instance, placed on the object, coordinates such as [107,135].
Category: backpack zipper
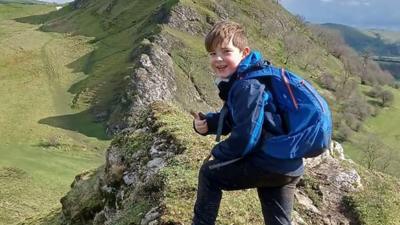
[315,96]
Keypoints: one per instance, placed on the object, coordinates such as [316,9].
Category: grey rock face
[333,182]
[186,19]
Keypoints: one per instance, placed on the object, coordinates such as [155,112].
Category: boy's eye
[227,50]
[212,53]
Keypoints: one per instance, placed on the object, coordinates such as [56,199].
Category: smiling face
[225,58]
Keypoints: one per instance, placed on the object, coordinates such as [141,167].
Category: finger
[203,129]
[200,122]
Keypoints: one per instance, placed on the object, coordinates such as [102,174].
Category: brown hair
[221,34]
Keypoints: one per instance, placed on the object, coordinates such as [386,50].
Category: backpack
[305,114]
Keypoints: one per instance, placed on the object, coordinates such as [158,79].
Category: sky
[381,14]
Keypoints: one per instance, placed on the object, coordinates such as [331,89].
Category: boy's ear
[246,52]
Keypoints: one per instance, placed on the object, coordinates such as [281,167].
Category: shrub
[387,98]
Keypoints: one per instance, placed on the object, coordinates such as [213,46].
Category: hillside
[377,43]
[43,142]
[147,53]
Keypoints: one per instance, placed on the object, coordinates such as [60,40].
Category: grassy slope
[115,29]
[378,203]
[35,75]
[387,36]
[384,127]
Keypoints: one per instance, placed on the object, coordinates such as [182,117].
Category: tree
[372,151]
[292,46]
[327,81]
[375,91]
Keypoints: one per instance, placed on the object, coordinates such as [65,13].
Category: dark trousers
[275,191]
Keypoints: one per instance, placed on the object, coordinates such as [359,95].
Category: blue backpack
[305,114]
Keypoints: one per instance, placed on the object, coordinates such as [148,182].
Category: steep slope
[151,167]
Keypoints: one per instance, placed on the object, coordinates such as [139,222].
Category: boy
[247,115]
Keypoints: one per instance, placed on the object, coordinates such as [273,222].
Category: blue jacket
[250,120]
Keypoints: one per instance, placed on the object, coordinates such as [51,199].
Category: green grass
[44,142]
[378,203]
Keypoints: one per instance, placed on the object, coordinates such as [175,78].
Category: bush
[342,132]
[387,98]
[51,141]
[375,92]
[327,81]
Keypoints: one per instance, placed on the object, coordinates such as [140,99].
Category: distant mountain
[379,42]
[383,44]
[22,2]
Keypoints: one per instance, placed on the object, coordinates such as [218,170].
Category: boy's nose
[219,58]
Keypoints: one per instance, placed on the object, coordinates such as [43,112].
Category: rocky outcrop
[152,80]
[186,19]
[328,180]
[129,184]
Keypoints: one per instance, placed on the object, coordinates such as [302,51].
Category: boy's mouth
[221,68]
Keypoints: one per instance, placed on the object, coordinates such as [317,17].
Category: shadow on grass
[43,18]
[80,122]
[375,103]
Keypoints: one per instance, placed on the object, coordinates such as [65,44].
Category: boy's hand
[200,122]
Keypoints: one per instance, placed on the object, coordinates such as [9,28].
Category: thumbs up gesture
[200,122]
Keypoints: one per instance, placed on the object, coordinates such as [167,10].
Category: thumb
[195,115]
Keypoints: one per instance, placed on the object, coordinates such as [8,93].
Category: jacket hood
[254,59]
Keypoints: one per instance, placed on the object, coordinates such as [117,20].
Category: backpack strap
[221,118]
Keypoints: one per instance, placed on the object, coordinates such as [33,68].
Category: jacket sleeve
[247,102]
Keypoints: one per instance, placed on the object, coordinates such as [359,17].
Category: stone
[150,217]
[347,180]
[306,202]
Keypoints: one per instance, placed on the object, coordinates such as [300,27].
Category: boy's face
[225,59]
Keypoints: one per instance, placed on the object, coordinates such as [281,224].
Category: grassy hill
[43,142]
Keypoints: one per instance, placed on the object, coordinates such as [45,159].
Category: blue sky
[382,14]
